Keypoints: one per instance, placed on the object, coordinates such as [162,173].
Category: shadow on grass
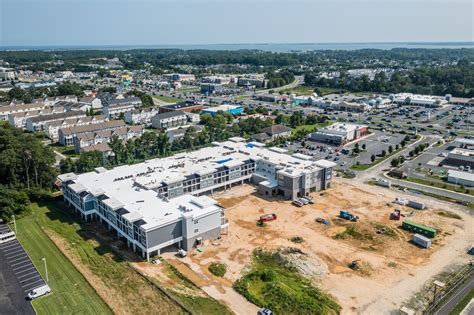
[109,243]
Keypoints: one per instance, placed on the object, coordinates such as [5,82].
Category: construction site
[349,241]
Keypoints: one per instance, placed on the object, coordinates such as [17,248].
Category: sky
[178,22]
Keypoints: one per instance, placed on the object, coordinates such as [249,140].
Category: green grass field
[90,248]
[311,128]
[282,289]
[169,99]
[71,293]
[442,185]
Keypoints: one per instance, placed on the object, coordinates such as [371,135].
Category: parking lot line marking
[13,253]
[26,267]
[18,258]
[23,266]
[26,274]
[30,286]
[11,248]
[30,278]
[8,245]
[22,273]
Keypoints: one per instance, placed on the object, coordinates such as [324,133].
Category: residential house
[169,120]
[140,116]
[93,101]
[66,135]
[37,123]
[105,136]
[52,128]
[20,108]
[19,119]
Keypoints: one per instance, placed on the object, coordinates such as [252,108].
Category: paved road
[378,171]
[456,298]
[431,190]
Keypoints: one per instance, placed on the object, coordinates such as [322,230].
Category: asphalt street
[457,297]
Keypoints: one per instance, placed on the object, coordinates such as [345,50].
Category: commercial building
[167,120]
[67,135]
[257,81]
[160,202]
[418,100]
[140,116]
[6,74]
[460,157]
[339,133]
[461,178]
[210,88]
[180,77]
[187,106]
[230,109]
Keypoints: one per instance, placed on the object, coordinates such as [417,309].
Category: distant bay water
[275,47]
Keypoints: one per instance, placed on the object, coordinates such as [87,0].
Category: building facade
[162,202]
[167,120]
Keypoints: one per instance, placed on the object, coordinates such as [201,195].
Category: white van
[35,293]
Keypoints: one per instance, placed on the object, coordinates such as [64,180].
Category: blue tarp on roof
[223,161]
[249,145]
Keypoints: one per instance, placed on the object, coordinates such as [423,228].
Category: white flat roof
[464,141]
[133,187]
[461,175]
[325,163]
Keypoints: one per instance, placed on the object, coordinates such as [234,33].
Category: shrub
[268,275]
[297,239]
[217,269]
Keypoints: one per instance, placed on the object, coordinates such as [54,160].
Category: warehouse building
[458,157]
[161,202]
[461,178]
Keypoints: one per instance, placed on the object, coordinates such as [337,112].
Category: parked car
[264,311]
[36,293]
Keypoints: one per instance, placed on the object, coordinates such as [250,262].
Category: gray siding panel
[164,234]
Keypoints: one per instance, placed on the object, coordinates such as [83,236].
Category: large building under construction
[164,202]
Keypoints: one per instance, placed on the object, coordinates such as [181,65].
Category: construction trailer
[419,228]
[416,205]
[421,240]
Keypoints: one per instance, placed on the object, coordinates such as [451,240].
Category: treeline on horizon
[201,57]
[417,70]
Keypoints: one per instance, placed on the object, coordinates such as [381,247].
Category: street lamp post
[45,269]
[14,223]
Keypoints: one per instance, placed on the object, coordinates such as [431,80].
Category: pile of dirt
[296,258]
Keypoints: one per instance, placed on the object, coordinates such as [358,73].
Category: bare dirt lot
[391,267]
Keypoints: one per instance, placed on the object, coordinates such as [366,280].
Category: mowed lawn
[122,288]
[71,293]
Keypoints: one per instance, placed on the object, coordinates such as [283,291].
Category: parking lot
[18,276]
